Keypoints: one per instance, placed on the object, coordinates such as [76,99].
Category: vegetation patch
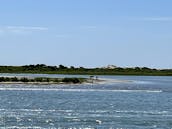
[43,79]
[44,69]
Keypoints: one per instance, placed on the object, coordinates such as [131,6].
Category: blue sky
[90,33]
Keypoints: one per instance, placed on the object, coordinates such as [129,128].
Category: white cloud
[20,29]
[157,19]
[27,28]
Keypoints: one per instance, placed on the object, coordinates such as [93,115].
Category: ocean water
[141,102]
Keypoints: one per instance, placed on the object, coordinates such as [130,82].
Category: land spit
[41,80]
[48,81]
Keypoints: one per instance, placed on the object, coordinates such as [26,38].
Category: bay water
[139,102]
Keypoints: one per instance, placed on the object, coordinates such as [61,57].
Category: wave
[89,111]
[34,110]
[38,127]
[77,90]
[22,127]
[151,112]
[143,112]
[142,82]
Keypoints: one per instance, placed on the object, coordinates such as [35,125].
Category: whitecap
[99,121]
[76,120]
[22,127]
[142,112]
[78,90]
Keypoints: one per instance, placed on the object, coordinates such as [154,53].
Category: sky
[88,33]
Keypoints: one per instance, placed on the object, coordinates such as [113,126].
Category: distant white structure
[110,67]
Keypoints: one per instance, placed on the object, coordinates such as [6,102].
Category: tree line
[61,69]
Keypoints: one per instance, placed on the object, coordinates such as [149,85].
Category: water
[140,103]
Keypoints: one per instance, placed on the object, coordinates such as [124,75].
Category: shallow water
[141,103]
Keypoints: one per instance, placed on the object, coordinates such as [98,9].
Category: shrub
[39,79]
[32,80]
[7,79]
[2,79]
[24,79]
[14,79]
[47,79]
[71,80]
[56,80]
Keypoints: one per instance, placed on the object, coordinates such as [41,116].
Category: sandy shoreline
[111,81]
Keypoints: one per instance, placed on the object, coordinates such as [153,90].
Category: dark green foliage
[32,80]
[24,79]
[71,80]
[42,79]
[39,79]
[72,67]
[47,80]
[14,79]
[7,79]
[56,80]
[62,67]
[42,68]
[2,79]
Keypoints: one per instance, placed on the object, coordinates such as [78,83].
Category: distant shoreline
[44,69]
[94,74]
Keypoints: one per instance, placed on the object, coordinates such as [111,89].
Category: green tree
[62,67]
[24,79]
